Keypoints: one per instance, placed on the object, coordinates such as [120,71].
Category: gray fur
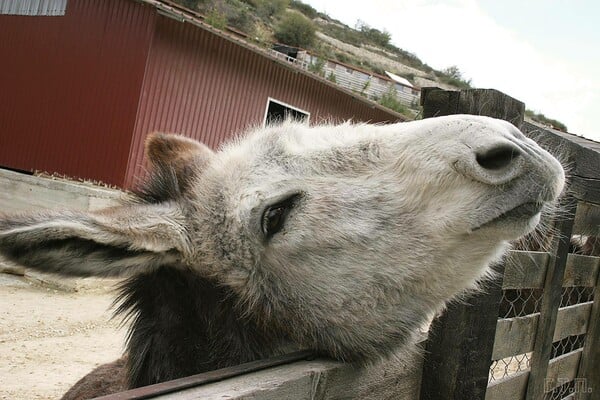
[388,223]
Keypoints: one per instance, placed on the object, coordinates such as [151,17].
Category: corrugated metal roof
[399,79]
[33,7]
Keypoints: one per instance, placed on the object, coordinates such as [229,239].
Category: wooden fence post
[489,102]
[458,352]
[542,349]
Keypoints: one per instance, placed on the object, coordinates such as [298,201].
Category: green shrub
[317,67]
[390,100]
[241,19]
[295,29]
[374,36]
[271,8]
[453,76]
[216,19]
[304,8]
[366,86]
[542,119]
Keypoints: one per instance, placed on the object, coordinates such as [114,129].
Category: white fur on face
[390,222]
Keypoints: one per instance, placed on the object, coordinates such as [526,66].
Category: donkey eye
[274,216]
[273,220]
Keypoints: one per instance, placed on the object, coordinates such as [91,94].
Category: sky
[545,53]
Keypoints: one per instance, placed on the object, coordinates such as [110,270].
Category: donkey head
[343,238]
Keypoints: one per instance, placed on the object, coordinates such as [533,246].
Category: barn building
[84,81]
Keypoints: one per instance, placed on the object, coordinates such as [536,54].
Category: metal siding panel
[33,7]
[70,87]
[206,87]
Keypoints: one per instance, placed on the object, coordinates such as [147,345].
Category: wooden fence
[546,345]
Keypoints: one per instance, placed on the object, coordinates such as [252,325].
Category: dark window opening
[278,112]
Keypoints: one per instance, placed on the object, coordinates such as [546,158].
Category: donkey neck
[183,324]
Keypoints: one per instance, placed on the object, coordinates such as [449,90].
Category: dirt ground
[51,334]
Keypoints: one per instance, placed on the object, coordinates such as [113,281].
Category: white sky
[545,53]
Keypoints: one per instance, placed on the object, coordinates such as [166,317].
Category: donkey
[340,239]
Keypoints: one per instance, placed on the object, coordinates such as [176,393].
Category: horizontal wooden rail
[512,387]
[560,370]
[581,270]
[527,270]
[317,379]
[175,385]
[516,335]
[294,376]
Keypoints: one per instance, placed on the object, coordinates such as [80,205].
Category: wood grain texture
[589,369]
[582,155]
[562,369]
[586,189]
[581,271]
[22,192]
[525,269]
[512,387]
[317,380]
[489,102]
[516,335]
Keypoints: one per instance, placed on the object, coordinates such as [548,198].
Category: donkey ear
[168,153]
[114,242]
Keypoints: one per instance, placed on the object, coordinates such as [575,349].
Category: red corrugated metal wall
[69,87]
[206,87]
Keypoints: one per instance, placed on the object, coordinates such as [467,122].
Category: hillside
[291,22]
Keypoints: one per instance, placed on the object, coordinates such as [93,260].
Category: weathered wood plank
[587,219]
[525,269]
[582,154]
[581,270]
[318,379]
[21,192]
[589,370]
[586,189]
[512,387]
[492,103]
[177,385]
[550,303]
[562,369]
[516,335]
[572,320]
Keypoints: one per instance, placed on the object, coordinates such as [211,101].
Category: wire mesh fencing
[517,303]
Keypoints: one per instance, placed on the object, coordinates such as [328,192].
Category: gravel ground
[50,337]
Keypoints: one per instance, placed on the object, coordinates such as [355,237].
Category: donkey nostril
[498,157]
